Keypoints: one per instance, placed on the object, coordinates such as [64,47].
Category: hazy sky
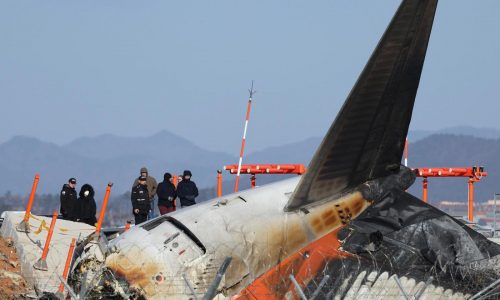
[84,68]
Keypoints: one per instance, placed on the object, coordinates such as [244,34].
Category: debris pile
[12,284]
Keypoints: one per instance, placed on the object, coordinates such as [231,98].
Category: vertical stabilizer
[367,138]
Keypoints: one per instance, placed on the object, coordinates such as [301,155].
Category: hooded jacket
[150,182]
[87,206]
[187,192]
[166,193]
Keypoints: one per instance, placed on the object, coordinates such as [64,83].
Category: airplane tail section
[366,140]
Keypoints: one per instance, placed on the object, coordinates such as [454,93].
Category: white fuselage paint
[249,226]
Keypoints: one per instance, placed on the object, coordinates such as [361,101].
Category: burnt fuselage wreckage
[354,187]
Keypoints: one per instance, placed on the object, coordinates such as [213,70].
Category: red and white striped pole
[406,152]
[244,139]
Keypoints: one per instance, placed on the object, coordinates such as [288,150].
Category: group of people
[145,188]
[82,208]
[79,209]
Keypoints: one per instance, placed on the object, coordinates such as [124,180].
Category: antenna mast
[251,91]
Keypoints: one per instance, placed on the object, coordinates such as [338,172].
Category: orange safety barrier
[24,225]
[475,174]
[268,169]
[66,267]
[254,169]
[219,183]
[103,209]
[41,264]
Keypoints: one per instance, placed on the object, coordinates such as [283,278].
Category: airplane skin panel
[366,140]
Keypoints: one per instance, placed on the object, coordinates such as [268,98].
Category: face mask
[86,193]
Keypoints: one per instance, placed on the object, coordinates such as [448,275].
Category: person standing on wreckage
[187,190]
[152,186]
[68,200]
[140,201]
[166,195]
[86,206]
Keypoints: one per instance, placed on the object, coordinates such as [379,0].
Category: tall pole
[103,210]
[470,213]
[495,214]
[66,268]
[41,264]
[219,183]
[24,225]
[425,190]
[175,181]
[242,150]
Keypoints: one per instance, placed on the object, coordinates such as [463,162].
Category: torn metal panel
[406,237]
[408,223]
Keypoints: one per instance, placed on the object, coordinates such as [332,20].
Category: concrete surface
[29,247]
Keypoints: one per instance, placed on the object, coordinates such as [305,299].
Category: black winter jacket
[87,207]
[187,192]
[166,193]
[68,202]
[140,199]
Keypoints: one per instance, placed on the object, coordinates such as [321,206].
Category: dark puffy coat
[187,192]
[140,199]
[87,207]
[166,193]
[68,202]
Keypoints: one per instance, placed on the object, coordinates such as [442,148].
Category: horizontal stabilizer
[366,140]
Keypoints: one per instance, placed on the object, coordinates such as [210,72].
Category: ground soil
[12,284]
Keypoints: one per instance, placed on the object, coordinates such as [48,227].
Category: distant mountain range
[104,158]
[486,133]
[101,159]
